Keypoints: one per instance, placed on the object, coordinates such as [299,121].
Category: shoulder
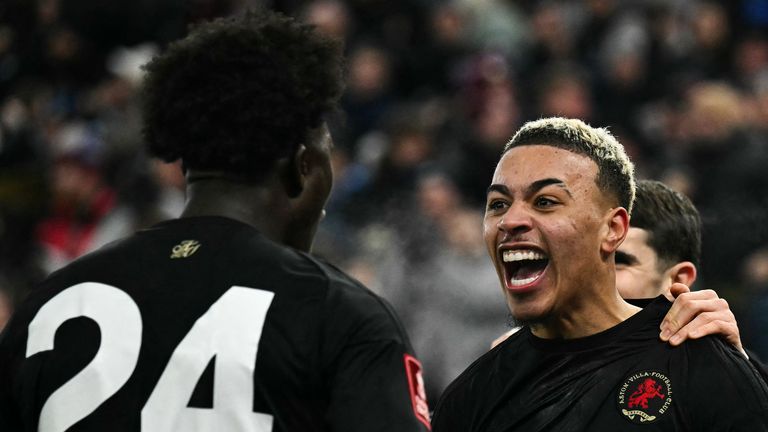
[350,303]
[711,351]
[716,368]
[348,291]
[758,364]
[472,392]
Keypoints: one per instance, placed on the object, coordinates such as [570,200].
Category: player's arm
[759,365]
[695,314]
[377,386]
[722,392]
[374,380]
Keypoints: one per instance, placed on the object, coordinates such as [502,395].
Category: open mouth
[522,267]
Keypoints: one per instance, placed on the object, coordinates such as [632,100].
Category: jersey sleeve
[449,413]
[724,390]
[759,365]
[373,377]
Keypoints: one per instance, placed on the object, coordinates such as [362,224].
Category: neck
[256,205]
[591,311]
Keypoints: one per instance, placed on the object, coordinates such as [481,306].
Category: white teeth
[521,255]
[521,282]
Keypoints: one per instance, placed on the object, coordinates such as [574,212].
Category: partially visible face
[543,225]
[324,144]
[317,188]
[638,273]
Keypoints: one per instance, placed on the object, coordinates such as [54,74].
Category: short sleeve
[374,378]
[759,365]
[724,391]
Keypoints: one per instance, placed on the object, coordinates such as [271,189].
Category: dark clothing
[758,364]
[204,324]
[623,379]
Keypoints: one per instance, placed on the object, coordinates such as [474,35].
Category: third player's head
[663,244]
[557,210]
[242,100]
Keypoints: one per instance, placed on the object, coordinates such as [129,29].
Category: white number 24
[230,330]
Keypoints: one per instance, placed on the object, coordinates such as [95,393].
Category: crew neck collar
[604,337]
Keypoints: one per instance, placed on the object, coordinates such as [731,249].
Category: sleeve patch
[416,388]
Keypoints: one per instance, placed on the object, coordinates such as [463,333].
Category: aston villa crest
[645,396]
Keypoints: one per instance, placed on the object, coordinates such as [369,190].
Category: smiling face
[546,228]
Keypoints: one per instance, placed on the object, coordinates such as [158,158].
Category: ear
[682,272]
[617,226]
[294,171]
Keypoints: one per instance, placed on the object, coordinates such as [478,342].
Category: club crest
[644,396]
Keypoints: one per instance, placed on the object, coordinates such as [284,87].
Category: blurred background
[435,89]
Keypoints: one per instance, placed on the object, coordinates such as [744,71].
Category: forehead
[636,241]
[636,244]
[521,166]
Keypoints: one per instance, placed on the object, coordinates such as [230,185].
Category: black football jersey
[203,324]
[758,364]
[622,379]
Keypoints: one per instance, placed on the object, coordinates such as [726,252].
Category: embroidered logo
[416,388]
[185,249]
[645,396]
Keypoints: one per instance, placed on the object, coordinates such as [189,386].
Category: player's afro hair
[239,93]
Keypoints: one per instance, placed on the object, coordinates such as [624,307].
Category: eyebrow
[500,188]
[625,257]
[533,188]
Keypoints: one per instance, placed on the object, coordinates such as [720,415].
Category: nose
[515,220]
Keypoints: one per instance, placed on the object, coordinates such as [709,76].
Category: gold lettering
[185,249]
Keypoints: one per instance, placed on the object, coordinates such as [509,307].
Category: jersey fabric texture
[758,364]
[622,379]
[332,356]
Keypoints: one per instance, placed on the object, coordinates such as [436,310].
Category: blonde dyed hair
[616,173]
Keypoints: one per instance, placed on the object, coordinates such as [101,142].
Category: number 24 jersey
[202,324]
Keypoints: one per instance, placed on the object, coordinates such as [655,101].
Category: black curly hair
[239,93]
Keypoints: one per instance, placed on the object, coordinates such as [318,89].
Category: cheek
[623,278]
[565,235]
[489,235]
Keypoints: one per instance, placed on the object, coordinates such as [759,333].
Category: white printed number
[229,331]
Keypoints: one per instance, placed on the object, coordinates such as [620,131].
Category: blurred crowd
[434,90]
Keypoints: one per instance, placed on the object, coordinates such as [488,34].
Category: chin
[526,311]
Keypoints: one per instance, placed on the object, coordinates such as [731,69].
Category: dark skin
[285,205]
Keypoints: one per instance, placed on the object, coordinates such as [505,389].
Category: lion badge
[644,396]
